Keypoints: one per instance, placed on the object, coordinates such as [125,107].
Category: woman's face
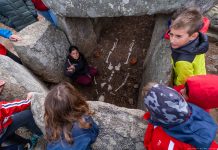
[74,54]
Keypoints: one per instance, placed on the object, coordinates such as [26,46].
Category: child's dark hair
[190,17]
[71,48]
[187,89]
[64,105]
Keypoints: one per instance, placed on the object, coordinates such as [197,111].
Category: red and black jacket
[9,108]
[157,139]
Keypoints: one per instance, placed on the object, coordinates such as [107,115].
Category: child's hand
[71,68]
[40,17]
[29,95]
[14,38]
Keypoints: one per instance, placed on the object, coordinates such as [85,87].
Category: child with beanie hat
[183,121]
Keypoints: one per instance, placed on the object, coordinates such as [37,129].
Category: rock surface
[212,14]
[116,8]
[80,32]
[38,110]
[43,49]
[19,80]
[120,128]
[157,66]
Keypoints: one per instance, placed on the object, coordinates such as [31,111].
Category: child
[13,115]
[45,11]
[201,90]
[179,125]
[68,121]
[188,45]
[76,67]
[3,51]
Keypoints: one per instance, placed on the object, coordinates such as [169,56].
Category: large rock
[116,8]
[80,32]
[38,109]
[120,128]
[212,14]
[157,66]
[19,81]
[43,49]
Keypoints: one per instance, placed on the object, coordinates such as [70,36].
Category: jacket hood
[203,90]
[166,106]
[198,46]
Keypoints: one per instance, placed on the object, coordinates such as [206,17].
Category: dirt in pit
[119,77]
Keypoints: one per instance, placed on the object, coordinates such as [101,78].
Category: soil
[128,32]
[212,58]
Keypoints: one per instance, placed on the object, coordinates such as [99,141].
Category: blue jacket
[199,130]
[5,33]
[83,138]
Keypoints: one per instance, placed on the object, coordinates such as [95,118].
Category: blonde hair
[190,18]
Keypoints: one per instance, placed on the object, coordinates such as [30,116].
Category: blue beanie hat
[166,106]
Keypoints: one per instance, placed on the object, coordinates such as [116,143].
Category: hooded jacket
[199,130]
[189,60]
[157,139]
[7,109]
[83,138]
[203,91]
[17,14]
[185,122]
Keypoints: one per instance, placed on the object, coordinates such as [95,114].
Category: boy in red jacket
[13,115]
[175,124]
[45,11]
